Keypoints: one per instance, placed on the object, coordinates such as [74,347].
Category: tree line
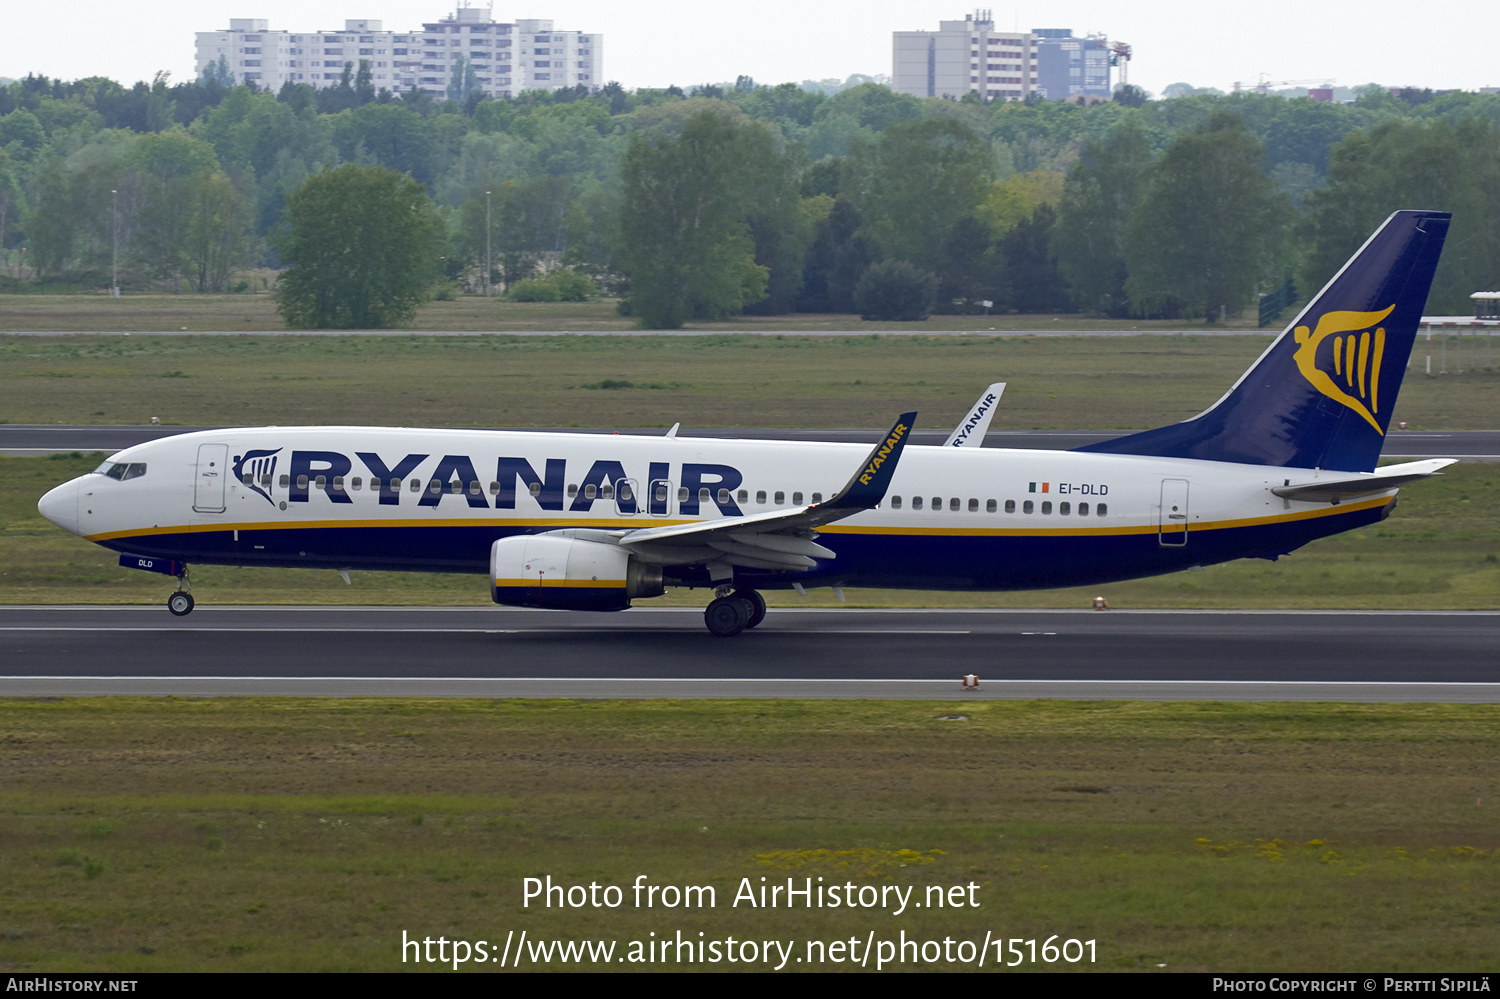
[712,201]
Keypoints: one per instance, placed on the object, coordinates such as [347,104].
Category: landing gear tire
[756,603]
[727,616]
[180,604]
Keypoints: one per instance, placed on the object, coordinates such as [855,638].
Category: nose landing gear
[181,602]
[732,611]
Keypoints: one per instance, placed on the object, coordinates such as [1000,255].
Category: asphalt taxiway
[665,652]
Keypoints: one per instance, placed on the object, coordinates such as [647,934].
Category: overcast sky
[1431,43]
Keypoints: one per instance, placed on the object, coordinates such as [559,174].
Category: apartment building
[506,58]
[963,57]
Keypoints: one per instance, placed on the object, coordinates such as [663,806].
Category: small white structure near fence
[1484,322]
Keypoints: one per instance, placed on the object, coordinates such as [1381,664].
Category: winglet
[867,488]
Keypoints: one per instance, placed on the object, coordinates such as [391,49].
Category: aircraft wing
[777,539]
[972,428]
[1383,478]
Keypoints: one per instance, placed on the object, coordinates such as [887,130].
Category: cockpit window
[122,470]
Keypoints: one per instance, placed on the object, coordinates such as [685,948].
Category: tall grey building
[1069,67]
[963,57]
[506,58]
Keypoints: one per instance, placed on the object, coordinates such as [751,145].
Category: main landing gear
[732,611]
[181,602]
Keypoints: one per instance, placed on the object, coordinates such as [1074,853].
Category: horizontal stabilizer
[1387,477]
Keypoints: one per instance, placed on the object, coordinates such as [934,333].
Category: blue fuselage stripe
[926,561]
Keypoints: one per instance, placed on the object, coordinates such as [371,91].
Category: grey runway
[25,439]
[664,652]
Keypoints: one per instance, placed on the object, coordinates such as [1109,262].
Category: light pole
[114,263]
[487,267]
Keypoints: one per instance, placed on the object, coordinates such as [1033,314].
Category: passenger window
[301,482]
[937,503]
[625,494]
[895,502]
[817,497]
[723,496]
[434,487]
[572,489]
[661,493]
[1063,509]
[796,499]
[320,482]
[1083,509]
[248,479]
[354,483]
[682,494]
[954,504]
[415,485]
[760,496]
[744,496]
[702,494]
[474,489]
[1027,507]
[989,506]
[589,492]
[286,480]
[973,505]
[395,485]
[494,489]
[780,497]
[916,502]
[1101,509]
[1046,506]
[607,491]
[338,483]
[1010,506]
[265,479]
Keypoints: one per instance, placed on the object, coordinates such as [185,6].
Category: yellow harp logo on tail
[1355,359]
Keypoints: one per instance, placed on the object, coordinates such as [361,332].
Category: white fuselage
[953,518]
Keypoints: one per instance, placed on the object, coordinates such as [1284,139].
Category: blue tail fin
[1322,393]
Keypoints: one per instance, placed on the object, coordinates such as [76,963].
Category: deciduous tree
[1207,232]
[362,244]
[683,240]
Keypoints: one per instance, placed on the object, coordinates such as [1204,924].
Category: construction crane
[1119,55]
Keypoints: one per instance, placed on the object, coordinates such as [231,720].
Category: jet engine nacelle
[566,573]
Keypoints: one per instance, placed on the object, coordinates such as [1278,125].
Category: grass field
[278,834]
[267,834]
[177,313]
[700,381]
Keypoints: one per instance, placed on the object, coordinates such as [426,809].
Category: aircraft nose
[60,506]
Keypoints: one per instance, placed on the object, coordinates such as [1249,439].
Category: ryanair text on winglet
[897,432]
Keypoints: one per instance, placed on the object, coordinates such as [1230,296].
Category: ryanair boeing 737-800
[592,522]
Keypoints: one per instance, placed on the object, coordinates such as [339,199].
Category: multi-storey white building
[506,58]
[965,56]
